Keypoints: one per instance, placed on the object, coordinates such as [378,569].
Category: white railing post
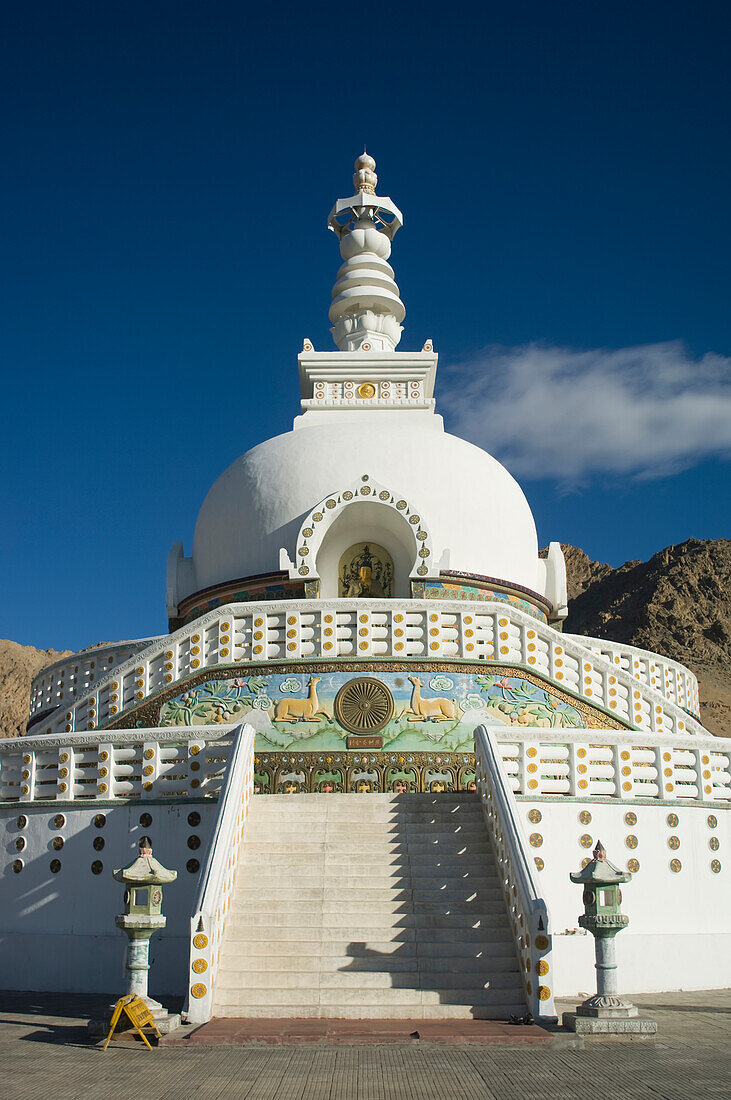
[703,775]
[623,771]
[28,777]
[105,770]
[150,768]
[65,774]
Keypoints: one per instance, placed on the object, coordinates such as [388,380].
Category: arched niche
[366,522]
[363,513]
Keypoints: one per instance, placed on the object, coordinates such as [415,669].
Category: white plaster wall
[470,503]
[679,935]
[57,931]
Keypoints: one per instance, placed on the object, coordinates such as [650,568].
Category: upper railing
[210,911]
[527,911]
[60,683]
[315,629]
[673,680]
[174,762]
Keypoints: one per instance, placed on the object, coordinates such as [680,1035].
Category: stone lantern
[144,879]
[605,1013]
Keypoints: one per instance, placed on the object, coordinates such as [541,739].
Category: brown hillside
[678,603]
[18,665]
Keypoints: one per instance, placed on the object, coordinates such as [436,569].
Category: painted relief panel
[429,709]
[443,590]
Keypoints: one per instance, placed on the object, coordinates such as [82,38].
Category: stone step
[378,926]
[375,997]
[379,961]
[424,936]
[369,1012]
[364,837]
[239,946]
[462,871]
[341,823]
[367,891]
[443,846]
[470,985]
[391,902]
[358,867]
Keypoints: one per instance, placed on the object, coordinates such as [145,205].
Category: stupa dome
[470,504]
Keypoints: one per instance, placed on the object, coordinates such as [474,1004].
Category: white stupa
[366,745]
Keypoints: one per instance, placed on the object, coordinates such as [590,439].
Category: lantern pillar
[606,1013]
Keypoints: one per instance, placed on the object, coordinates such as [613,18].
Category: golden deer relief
[308,709]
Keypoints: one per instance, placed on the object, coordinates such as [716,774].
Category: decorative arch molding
[314,530]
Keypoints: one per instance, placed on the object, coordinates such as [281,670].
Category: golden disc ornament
[364,705]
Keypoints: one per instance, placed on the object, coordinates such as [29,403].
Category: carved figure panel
[366,570]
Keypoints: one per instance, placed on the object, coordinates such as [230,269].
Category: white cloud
[562,413]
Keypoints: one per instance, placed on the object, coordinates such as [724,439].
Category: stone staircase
[367,906]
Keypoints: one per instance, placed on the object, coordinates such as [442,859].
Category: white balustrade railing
[185,761]
[210,911]
[175,762]
[527,911]
[672,679]
[314,629]
[609,763]
[59,684]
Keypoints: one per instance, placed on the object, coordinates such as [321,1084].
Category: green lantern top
[602,896]
[144,878]
[599,871]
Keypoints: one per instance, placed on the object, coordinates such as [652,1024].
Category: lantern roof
[599,871]
[145,870]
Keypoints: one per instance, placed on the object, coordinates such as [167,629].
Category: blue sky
[168,169]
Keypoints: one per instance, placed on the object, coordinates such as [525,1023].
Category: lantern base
[606,1006]
[606,1026]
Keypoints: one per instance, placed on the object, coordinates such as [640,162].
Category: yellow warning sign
[138,1015]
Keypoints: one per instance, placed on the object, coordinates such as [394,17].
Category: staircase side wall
[57,931]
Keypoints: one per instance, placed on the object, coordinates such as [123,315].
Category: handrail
[213,899]
[527,911]
[292,630]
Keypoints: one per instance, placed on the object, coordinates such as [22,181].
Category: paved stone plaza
[44,1052]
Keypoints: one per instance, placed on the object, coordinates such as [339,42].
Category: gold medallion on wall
[364,706]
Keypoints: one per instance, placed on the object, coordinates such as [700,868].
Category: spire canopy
[366,310]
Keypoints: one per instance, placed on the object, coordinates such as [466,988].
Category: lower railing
[600,763]
[189,762]
[527,912]
[208,922]
[175,762]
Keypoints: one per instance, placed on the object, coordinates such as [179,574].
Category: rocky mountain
[677,603]
[18,665]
